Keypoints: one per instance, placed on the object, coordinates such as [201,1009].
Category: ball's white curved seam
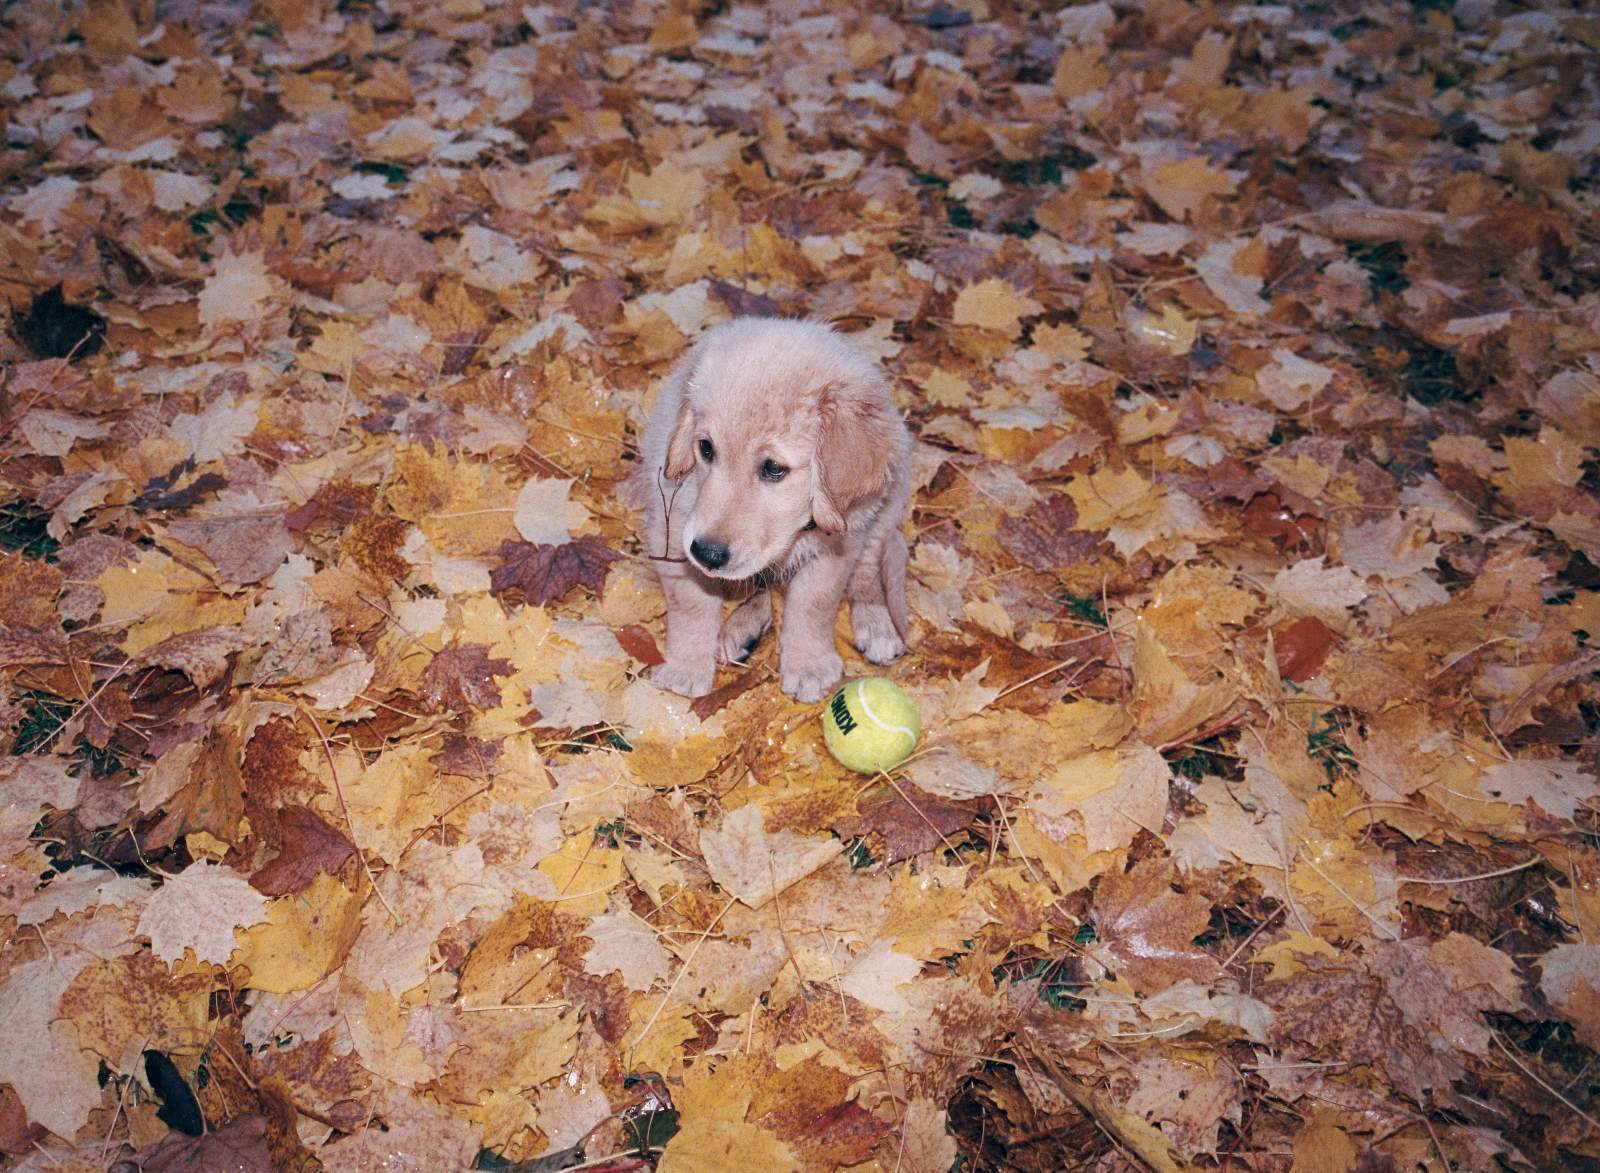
[861,696]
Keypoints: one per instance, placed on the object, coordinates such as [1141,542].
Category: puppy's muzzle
[711,555]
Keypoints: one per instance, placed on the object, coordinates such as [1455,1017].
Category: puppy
[774,456]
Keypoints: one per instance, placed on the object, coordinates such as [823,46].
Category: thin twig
[1579,1112]
[344,809]
[1516,867]
[683,969]
[1354,903]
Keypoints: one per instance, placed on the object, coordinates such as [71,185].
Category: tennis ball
[870,725]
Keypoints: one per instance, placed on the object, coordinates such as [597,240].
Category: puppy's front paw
[809,678]
[743,630]
[688,679]
[875,636]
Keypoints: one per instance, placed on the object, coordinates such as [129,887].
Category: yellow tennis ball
[870,725]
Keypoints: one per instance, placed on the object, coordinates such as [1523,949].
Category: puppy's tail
[892,569]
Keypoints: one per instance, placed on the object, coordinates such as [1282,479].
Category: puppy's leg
[694,617]
[878,600]
[807,663]
[745,627]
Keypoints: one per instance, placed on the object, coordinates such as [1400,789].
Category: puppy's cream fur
[754,391]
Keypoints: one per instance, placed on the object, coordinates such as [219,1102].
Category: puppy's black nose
[711,555]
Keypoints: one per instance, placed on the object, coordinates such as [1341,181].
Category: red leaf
[1302,647]
[310,847]
[16,1134]
[844,1135]
[713,702]
[542,574]
[461,678]
[640,644]
[597,303]
[1268,517]
[467,757]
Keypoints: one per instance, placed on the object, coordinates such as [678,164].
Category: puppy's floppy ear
[857,438]
[680,447]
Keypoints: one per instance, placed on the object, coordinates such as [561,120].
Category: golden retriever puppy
[775,457]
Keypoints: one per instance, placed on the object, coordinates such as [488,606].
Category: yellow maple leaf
[1079,71]
[930,913]
[462,507]
[1108,496]
[334,349]
[655,1041]
[1168,705]
[1107,797]
[155,597]
[1283,955]
[718,1144]
[305,936]
[1181,189]
[994,304]
[1168,331]
[389,800]
[584,871]
[947,389]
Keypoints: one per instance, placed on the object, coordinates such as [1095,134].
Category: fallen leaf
[752,864]
[994,305]
[1145,929]
[542,574]
[460,678]
[199,909]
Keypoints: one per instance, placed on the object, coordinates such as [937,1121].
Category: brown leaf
[1228,478]
[597,303]
[640,644]
[245,549]
[602,1000]
[1302,647]
[541,574]
[106,714]
[1044,538]
[807,1105]
[118,1002]
[909,820]
[212,800]
[16,1134]
[742,303]
[23,645]
[238,1146]
[719,698]
[322,1077]
[310,847]
[1330,1012]
[373,543]
[1268,516]
[336,503]
[28,588]
[201,655]
[467,757]
[460,678]
[1146,930]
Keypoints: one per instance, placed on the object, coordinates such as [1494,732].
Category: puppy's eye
[771,470]
[708,452]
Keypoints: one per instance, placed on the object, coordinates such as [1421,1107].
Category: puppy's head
[784,428]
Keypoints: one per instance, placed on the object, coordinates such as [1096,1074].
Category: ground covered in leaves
[1255,574]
